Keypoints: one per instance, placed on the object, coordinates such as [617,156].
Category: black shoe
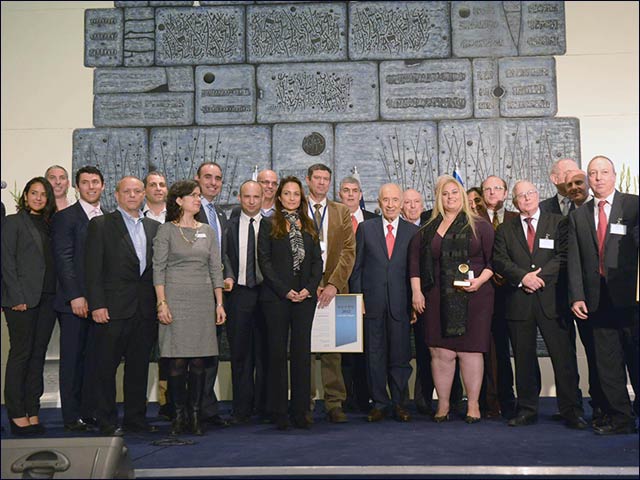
[77,426]
[612,429]
[166,412]
[557,417]
[239,420]
[142,427]
[281,422]
[22,431]
[216,420]
[599,418]
[441,418]
[522,420]
[91,422]
[576,422]
[111,431]
[470,420]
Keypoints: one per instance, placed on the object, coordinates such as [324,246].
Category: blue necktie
[213,221]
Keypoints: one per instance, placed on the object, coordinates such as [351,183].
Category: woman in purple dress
[454,245]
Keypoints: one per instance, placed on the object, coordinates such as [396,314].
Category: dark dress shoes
[77,426]
[90,421]
[239,420]
[22,431]
[281,422]
[522,420]
[337,415]
[142,427]
[576,422]
[375,415]
[613,429]
[401,415]
[216,420]
[111,431]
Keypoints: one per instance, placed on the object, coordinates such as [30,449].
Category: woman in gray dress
[187,275]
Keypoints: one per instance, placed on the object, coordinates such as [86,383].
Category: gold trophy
[467,273]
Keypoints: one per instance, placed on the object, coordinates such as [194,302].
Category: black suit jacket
[512,260]
[23,262]
[383,280]
[202,218]
[113,270]
[620,254]
[231,253]
[368,215]
[69,238]
[551,205]
[276,263]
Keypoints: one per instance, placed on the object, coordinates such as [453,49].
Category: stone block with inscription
[298,146]
[139,37]
[225,94]
[141,80]
[480,29]
[426,90]
[529,85]
[103,37]
[200,35]
[543,30]
[325,92]
[297,33]
[401,29]
[130,4]
[509,148]
[486,91]
[117,152]
[143,109]
[238,150]
[400,152]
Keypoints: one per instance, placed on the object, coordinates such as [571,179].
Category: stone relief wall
[400,91]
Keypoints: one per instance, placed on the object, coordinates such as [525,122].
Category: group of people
[168,268]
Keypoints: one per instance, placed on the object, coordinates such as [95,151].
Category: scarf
[295,239]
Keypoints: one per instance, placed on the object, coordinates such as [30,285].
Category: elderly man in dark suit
[121,300]
[380,274]
[209,178]
[560,203]
[530,252]
[602,264]
[69,235]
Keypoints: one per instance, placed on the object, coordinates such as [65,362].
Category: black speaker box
[86,457]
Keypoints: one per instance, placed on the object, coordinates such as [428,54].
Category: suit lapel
[122,229]
[589,211]
[149,234]
[33,231]
[516,228]
[615,216]
[382,241]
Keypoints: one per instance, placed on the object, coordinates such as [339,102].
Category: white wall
[47,92]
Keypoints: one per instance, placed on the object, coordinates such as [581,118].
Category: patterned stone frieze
[131,4]
[529,85]
[143,109]
[139,37]
[225,94]
[543,28]
[141,80]
[103,37]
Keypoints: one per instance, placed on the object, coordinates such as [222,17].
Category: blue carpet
[418,443]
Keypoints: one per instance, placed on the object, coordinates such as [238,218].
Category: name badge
[618,229]
[201,235]
[547,243]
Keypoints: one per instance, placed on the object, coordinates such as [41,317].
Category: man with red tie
[602,263]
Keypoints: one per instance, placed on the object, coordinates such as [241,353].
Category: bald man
[577,187]
[559,203]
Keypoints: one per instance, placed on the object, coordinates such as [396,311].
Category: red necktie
[531,233]
[391,240]
[354,223]
[602,232]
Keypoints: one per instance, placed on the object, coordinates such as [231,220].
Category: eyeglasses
[529,193]
[267,182]
[497,189]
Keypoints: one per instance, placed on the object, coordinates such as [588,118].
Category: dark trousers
[29,335]
[565,368]
[282,317]
[354,372]
[615,335]
[585,330]
[77,363]
[247,341]
[131,338]
[209,403]
[388,353]
[503,371]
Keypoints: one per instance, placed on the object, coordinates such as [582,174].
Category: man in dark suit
[209,178]
[338,245]
[497,396]
[380,274]
[602,264]
[354,369]
[245,321]
[560,203]
[530,252]
[121,298]
[69,235]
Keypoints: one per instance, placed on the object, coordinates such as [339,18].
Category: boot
[196,387]
[178,392]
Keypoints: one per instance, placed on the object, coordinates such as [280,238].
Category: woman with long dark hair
[187,275]
[28,291]
[291,263]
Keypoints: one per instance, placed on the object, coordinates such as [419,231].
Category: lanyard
[313,216]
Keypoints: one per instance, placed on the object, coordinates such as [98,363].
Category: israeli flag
[456,174]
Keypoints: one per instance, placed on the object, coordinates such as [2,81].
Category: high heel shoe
[441,418]
[21,431]
[470,420]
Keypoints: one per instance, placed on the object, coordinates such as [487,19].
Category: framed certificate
[338,326]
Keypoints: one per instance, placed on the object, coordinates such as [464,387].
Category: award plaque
[466,273]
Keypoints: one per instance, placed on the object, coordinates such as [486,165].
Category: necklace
[195,235]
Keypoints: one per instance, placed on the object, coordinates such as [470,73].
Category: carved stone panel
[509,148]
[391,30]
[298,146]
[142,109]
[117,152]
[543,28]
[480,29]
[297,33]
[529,85]
[140,80]
[139,37]
[216,3]
[171,3]
[196,36]
[238,150]
[431,89]
[130,4]
[326,92]
[486,94]
[225,94]
[103,32]
[405,153]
